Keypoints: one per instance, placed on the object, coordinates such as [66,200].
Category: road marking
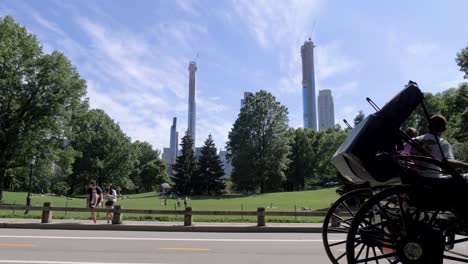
[173,239]
[185,249]
[63,262]
[16,245]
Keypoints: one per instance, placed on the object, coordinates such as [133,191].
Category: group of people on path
[95,196]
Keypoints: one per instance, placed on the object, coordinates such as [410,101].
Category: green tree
[38,93]
[462,61]
[185,167]
[310,166]
[258,144]
[209,178]
[146,156]
[359,117]
[153,174]
[106,152]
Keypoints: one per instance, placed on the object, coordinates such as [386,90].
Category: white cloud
[189,6]
[273,23]
[331,61]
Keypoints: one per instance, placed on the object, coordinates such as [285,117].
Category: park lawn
[285,201]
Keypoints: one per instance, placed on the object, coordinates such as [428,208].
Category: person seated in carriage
[435,129]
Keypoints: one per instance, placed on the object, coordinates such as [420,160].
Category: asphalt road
[99,247]
[102,247]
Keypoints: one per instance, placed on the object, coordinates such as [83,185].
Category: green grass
[286,201]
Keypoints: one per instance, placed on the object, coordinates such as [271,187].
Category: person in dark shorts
[94,198]
[111,199]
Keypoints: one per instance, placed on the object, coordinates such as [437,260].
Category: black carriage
[416,208]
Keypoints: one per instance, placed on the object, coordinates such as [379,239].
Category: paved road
[86,247]
[102,247]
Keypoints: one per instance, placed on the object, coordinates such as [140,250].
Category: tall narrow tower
[326,111]
[308,85]
[191,103]
[174,149]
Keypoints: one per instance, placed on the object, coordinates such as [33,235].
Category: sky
[134,55]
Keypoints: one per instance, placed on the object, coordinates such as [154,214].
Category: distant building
[308,85]
[226,163]
[246,94]
[198,152]
[326,111]
[191,102]
[174,142]
[170,154]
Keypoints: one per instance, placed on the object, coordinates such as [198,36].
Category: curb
[175,228]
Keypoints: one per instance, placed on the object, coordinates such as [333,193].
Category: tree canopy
[259,144]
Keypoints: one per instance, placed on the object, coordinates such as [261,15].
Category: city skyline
[134,56]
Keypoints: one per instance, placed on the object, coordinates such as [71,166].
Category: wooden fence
[118,211]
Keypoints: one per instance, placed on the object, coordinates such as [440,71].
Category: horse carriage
[414,208]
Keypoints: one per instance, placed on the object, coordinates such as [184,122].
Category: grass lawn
[286,201]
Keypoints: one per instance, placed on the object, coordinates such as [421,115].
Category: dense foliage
[259,144]
[185,168]
[43,113]
[209,178]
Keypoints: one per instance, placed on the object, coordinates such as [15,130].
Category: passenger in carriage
[411,132]
[437,126]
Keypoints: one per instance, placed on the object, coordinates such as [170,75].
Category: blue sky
[135,54]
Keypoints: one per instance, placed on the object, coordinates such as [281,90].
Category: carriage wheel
[338,220]
[395,232]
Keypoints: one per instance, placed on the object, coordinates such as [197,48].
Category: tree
[185,167]
[258,144]
[106,152]
[462,61]
[359,117]
[311,152]
[153,174]
[38,93]
[148,168]
[209,178]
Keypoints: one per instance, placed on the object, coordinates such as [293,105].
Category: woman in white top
[111,199]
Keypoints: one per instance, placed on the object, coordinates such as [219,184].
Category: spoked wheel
[338,220]
[395,232]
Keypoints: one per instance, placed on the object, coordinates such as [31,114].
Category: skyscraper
[308,85]
[173,146]
[246,94]
[191,101]
[326,111]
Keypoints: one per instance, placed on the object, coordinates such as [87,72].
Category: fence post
[46,213]
[117,216]
[261,216]
[188,216]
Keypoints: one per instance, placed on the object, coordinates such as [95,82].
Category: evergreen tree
[209,179]
[359,117]
[185,167]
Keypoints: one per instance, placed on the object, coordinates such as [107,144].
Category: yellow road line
[185,249]
[16,245]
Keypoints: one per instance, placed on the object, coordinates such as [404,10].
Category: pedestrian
[178,201]
[185,201]
[165,201]
[111,199]
[94,198]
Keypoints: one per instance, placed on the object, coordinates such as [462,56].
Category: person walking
[185,201]
[178,201]
[111,199]
[94,198]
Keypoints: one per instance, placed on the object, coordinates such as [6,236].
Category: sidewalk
[160,226]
